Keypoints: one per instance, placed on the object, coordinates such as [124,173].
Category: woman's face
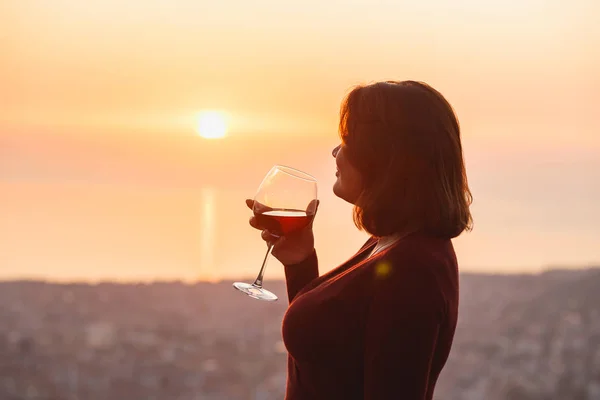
[348,185]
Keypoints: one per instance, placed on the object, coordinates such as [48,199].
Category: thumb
[313,206]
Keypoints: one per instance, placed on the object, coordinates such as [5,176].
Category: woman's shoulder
[370,241]
[427,264]
[423,249]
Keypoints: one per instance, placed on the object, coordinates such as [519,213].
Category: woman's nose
[335,151]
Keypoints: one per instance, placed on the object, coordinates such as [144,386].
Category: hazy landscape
[520,337]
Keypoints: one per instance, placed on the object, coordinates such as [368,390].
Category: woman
[381,325]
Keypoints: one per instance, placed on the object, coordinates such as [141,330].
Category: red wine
[282,221]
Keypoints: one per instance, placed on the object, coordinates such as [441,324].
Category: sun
[212,124]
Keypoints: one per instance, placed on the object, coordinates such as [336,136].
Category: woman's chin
[339,192]
[337,189]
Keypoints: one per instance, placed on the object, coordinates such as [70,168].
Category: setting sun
[212,125]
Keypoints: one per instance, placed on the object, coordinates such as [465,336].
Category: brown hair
[404,138]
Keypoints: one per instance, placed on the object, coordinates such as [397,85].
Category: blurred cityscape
[520,337]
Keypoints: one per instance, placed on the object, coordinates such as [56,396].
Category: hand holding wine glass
[284,208]
[289,249]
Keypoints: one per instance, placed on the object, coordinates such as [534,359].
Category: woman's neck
[386,241]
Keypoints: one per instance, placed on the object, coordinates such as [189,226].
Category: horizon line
[589,268]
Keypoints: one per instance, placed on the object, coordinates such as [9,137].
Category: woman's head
[401,161]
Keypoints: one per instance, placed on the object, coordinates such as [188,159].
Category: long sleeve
[402,329]
[299,275]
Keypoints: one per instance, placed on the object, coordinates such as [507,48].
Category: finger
[257,207]
[312,207]
[268,237]
[253,223]
[276,245]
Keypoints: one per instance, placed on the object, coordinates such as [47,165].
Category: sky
[103,175]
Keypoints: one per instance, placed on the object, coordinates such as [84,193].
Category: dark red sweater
[374,328]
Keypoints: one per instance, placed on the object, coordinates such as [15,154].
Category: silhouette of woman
[381,325]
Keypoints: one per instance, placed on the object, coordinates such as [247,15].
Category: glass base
[254,291]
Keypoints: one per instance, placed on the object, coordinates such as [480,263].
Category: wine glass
[286,201]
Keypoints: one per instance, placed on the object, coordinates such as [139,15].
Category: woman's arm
[299,275]
[401,334]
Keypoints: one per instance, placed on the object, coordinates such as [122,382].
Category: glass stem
[259,279]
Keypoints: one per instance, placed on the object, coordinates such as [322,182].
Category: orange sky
[282,67]
[107,92]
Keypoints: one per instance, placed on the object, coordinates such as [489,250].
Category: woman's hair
[404,138]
